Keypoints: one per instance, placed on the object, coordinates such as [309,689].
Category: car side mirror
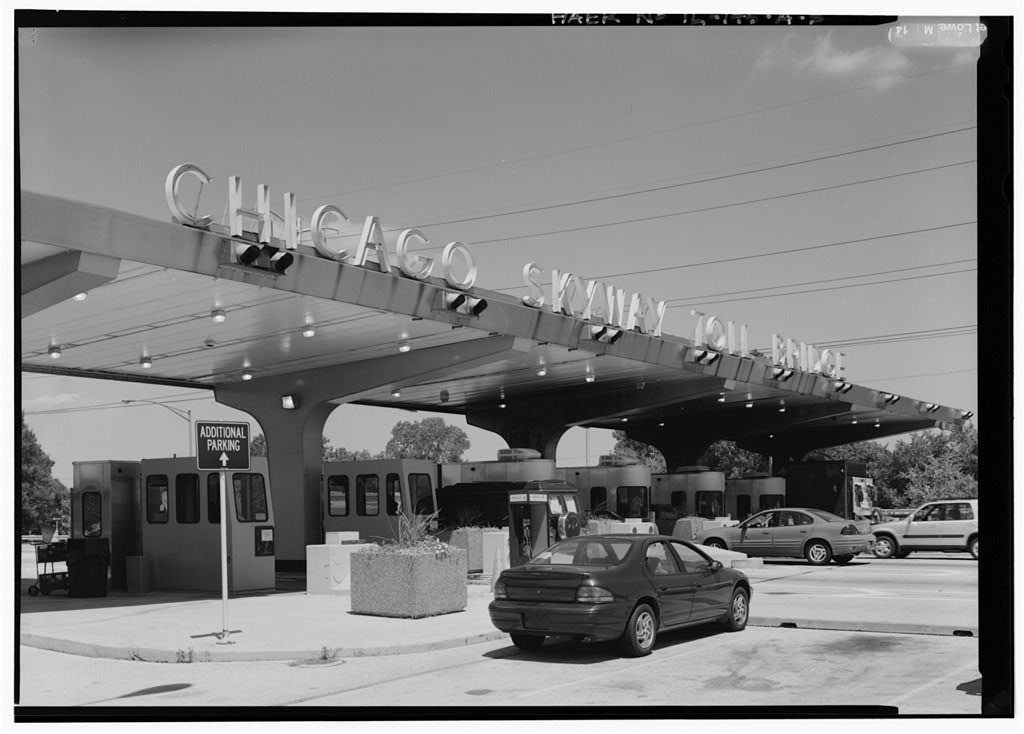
[715,566]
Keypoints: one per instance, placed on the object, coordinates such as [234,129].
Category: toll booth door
[742,506]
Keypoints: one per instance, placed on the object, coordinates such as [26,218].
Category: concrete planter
[402,583]
[471,541]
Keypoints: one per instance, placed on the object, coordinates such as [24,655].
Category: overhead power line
[715,207]
[546,155]
[771,253]
[722,297]
[694,182]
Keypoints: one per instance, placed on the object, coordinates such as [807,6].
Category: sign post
[221,446]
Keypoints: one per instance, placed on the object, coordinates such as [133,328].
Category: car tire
[739,610]
[902,554]
[527,642]
[715,543]
[885,547]
[641,632]
[818,553]
[842,560]
[972,547]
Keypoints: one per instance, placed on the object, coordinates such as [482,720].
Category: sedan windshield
[826,515]
[584,552]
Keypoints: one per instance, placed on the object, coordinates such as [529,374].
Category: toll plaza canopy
[390,332]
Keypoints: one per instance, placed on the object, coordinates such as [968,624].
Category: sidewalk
[181,626]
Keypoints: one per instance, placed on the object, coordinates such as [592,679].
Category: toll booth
[180,516]
[752,493]
[541,513]
[105,504]
[690,491]
[617,484]
[368,496]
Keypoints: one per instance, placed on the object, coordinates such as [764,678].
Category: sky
[674,161]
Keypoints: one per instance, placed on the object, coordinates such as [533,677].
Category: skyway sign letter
[221,446]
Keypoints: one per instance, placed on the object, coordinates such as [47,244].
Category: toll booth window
[710,504]
[367,494]
[213,498]
[570,503]
[555,505]
[250,497]
[92,515]
[598,499]
[186,498]
[422,498]
[156,498]
[393,492]
[337,496]
[770,501]
[632,502]
[679,502]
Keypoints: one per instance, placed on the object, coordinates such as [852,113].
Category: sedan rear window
[584,552]
[826,515]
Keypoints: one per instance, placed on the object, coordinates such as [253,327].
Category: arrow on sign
[223,459]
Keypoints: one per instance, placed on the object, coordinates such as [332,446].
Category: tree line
[929,465]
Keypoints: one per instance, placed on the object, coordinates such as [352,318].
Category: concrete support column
[522,431]
[294,435]
[294,452]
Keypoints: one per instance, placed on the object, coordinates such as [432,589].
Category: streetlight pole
[183,414]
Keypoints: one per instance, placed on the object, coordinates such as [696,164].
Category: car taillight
[499,590]
[594,595]
[850,530]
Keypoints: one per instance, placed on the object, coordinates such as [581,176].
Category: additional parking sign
[221,446]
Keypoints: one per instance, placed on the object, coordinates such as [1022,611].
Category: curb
[899,628]
[155,655]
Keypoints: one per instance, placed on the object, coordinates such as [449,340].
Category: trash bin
[88,560]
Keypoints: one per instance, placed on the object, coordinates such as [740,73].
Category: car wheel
[527,642]
[739,610]
[973,548]
[641,631]
[885,547]
[33,590]
[715,543]
[818,553]
[842,560]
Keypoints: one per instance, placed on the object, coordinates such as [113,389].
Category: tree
[258,447]
[639,451]
[43,497]
[729,458]
[430,438]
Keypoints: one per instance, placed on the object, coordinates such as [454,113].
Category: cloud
[882,66]
[51,401]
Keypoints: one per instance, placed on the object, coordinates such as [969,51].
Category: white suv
[942,525]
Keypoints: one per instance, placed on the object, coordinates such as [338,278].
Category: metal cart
[48,579]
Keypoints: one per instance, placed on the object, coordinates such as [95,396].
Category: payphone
[539,516]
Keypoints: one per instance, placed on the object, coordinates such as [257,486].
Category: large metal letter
[171,193]
[535,297]
[372,239]
[318,225]
[407,264]
[448,255]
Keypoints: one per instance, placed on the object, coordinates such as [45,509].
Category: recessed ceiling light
[396,393]
[309,331]
[146,361]
[404,347]
[247,376]
[54,351]
[218,315]
[81,296]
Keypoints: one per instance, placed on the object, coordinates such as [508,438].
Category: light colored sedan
[794,532]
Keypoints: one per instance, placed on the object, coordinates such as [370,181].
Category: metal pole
[224,558]
[190,451]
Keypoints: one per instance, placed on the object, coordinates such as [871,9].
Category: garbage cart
[48,577]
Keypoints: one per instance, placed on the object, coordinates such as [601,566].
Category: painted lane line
[971,669]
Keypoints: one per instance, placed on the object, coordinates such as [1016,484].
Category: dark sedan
[625,587]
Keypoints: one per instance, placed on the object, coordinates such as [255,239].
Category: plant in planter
[414,576]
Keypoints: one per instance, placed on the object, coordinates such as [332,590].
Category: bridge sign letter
[221,446]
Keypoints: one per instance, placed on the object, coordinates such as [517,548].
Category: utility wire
[694,182]
[830,288]
[772,253]
[684,212]
[613,141]
[823,280]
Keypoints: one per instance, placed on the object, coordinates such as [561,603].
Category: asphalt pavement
[288,624]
